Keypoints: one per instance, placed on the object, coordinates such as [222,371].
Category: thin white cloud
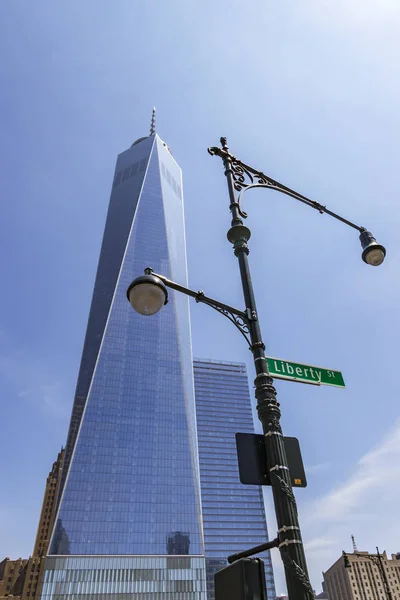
[364,505]
[311,469]
[31,380]
[357,14]
[374,471]
[49,398]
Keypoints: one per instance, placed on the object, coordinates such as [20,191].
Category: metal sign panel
[252,460]
[284,369]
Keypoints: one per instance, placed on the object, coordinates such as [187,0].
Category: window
[134,169]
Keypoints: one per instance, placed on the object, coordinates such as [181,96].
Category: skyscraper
[233,513]
[129,516]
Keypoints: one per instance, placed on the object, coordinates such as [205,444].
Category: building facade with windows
[12,577]
[49,506]
[362,579]
[129,513]
[20,579]
[233,513]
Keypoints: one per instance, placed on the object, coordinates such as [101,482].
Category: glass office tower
[129,517]
[233,513]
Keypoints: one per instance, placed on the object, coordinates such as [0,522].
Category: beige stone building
[49,507]
[364,578]
[20,579]
[12,577]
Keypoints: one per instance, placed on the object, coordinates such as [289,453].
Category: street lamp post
[377,560]
[148,293]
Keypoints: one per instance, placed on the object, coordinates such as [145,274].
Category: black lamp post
[147,294]
[377,560]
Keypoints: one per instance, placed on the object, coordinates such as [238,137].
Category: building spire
[153,122]
[354,544]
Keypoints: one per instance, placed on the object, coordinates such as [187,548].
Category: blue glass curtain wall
[133,485]
[233,513]
[122,206]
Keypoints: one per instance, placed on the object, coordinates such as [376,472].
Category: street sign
[252,460]
[283,369]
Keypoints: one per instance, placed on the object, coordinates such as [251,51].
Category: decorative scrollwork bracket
[245,177]
[240,320]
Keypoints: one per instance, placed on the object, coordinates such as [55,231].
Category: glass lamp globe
[147,295]
[373,253]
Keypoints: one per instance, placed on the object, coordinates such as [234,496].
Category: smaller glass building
[233,513]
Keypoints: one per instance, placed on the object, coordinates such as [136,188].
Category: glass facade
[147,509]
[131,478]
[124,578]
[122,207]
[233,513]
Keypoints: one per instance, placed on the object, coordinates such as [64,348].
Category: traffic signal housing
[242,580]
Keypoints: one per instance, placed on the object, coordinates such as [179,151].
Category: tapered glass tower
[129,518]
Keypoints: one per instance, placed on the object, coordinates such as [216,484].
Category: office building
[233,513]
[12,577]
[20,579]
[362,579]
[48,511]
[129,516]
[324,594]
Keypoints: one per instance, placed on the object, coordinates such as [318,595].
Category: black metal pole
[384,575]
[290,544]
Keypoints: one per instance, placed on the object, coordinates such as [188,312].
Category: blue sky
[307,92]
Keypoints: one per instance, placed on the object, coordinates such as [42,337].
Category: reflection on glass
[178,543]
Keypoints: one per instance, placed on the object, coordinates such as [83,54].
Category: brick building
[19,579]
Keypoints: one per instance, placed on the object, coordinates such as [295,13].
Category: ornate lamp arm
[246,177]
[238,317]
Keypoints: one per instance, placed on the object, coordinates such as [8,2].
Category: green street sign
[283,369]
